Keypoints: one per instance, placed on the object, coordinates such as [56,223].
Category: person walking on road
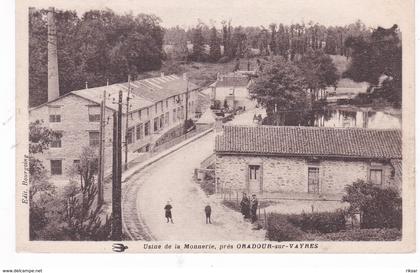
[168,212]
[207,210]
[245,206]
[254,206]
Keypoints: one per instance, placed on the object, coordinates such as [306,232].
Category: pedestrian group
[248,210]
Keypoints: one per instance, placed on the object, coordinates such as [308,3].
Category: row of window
[136,132]
[254,174]
[94,110]
[133,132]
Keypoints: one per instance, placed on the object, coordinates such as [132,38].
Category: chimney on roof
[184,76]
[162,74]
[53,87]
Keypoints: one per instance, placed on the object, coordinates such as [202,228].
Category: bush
[379,208]
[280,229]
[359,235]
[323,222]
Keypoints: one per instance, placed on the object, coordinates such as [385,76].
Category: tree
[81,218]
[41,191]
[273,40]
[178,38]
[199,53]
[215,52]
[238,43]
[97,46]
[87,167]
[280,87]
[379,55]
[319,71]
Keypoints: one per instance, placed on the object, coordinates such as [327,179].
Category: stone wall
[290,174]
[75,127]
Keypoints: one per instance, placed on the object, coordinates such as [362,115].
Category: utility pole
[116,174]
[126,124]
[186,110]
[101,153]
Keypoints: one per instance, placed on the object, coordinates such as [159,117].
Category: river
[358,117]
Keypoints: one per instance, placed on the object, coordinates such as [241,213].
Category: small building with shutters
[308,161]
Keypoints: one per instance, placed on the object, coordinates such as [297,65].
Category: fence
[170,143]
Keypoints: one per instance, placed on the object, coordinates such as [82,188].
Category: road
[147,192]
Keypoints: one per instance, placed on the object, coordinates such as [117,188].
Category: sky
[186,13]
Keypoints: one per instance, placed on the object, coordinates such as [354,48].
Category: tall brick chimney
[53,87]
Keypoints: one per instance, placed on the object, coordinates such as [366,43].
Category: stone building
[231,89]
[156,105]
[309,161]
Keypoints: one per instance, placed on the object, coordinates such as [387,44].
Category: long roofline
[308,142]
[314,127]
[304,155]
[73,92]
[65,95]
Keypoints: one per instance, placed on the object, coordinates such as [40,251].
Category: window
[56,168]
[147,128]
[156,108]
[155,124]
[167,118]
[54,113]
[161,106]
[254,172]
[56,140]
[147,112]
[55,118]
[167,103]
[313,180]
[182,112]
[76,162]
[93,138]
[94,113]
[139,131]
[130,135]
[139,113]
[174,115]
[376,176]
[162,120]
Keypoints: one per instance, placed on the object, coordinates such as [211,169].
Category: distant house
[157,105]
[306,160]
[231,90]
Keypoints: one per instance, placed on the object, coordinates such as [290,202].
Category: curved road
[170,178]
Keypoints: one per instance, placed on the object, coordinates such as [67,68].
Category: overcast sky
[249,12]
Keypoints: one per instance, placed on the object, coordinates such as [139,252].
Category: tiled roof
[311,141]
[144,92]
[160,88]
[112,93]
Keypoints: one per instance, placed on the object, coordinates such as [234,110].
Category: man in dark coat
[245,206]
[207,210]
[254,206]
[168,213]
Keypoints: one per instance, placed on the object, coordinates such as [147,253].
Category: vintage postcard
[215,126]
